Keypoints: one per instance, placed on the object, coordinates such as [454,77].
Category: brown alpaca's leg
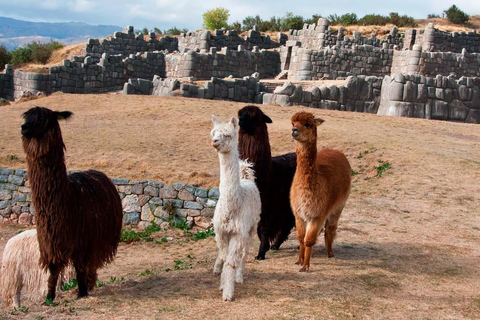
[52,281]
[331,231]
[313,229]
[300,225]
[82,282]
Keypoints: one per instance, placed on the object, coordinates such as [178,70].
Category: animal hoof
[303,270]
[80,296]
[274,247]
[260,258]
[331,255]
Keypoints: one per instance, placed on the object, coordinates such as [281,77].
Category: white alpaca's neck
[229,172]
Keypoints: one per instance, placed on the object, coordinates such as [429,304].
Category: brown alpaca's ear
[318,121]
[63,115]
[267,119]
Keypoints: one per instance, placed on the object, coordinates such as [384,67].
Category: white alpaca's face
[224,134]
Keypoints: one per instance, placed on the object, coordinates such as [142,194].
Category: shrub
[216,18]
[348,19]
[41,52]
[175,31]
[21,55]
[373,19]
[455,15]
[401,21]
[251,21]
[5,57]
[235,26]
[313,19]
[433,15]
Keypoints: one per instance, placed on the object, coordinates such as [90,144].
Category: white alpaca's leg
[16,297]
[241,268]
[232,263]
[222,254]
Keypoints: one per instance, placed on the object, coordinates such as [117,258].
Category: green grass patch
[382,167]
[204,234]
[69,285]
[132,235]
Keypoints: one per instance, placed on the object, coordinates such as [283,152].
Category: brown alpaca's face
[304,127]
[38,121]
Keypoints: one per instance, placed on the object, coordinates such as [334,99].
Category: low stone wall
[126,43]
[237,63]
[142,201]
[336,62]
[359,94]
[441,98]
[247,89]
[6,83]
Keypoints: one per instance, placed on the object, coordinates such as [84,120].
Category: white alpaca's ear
[234,121]
[215,120]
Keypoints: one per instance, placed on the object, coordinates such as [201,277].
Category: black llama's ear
[318,121]
[63,115]
[267,119]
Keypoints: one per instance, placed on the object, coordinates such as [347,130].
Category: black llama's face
[39,120]
[250,117]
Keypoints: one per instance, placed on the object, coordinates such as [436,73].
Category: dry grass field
[408,245]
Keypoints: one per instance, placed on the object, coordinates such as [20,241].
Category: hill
[14,33]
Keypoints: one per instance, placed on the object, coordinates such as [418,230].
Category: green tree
[157,31]
[291,22]
[373,20]
[455,15]
[250,21]
[145,31]
[313,19]
[5,57]
[216,18]
[235,26]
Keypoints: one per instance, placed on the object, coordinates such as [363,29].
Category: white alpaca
[21,270]
[238,209]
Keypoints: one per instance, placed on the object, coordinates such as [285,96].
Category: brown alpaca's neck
[306,157]
[48,179]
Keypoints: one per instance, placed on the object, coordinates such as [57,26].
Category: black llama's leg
[82,282]
[281,237]
[52,281]
[264,244]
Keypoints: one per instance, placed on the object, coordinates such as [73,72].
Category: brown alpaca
[78,216]
[320,187]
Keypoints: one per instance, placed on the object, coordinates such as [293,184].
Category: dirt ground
[408,245]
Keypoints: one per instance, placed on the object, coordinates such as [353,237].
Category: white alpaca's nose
[215,143]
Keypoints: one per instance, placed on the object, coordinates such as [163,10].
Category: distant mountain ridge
[14,33]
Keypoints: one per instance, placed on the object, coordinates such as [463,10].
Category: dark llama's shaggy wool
[274,177]
[78,216]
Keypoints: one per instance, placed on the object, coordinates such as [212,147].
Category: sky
[165,14]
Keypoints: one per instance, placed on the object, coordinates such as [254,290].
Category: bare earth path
[408,245]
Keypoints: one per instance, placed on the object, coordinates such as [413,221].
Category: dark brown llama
[78,216]
[320,187]
[274,177]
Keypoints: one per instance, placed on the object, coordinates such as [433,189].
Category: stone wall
[440,98]
[126,43]
[237,63]
[142,201]
[320,35]
[336,62]
[248,89]
[434,40]
[204,40]
[359,94]
[83,76]
[6,83]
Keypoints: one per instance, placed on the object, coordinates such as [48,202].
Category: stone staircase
[282,75]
